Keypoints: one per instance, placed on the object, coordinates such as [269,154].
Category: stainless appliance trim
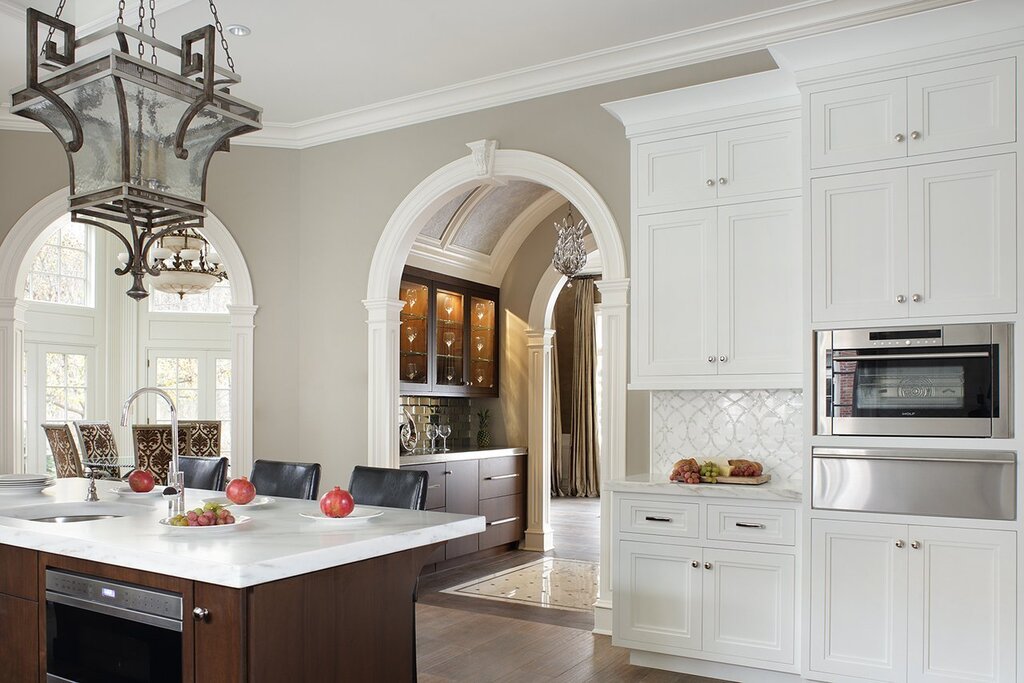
[911,426]
[824,376]
[915,454]
[1002,339]
[112,611]
[51,678]
[913,356]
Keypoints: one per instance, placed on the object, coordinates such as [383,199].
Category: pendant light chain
[152,29]
[141,28]
[223,39]
[120,11]
[49,35]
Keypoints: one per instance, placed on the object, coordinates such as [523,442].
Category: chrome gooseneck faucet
[175,474]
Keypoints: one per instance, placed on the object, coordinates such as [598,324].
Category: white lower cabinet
[891,602]
[660,601]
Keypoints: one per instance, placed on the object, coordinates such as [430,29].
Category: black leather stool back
[286,479]
[389,488]
[204,473]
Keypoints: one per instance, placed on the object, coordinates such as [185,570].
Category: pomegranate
[240,491]
[141,481]
[337,503]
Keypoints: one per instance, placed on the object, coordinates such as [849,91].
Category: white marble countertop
[474,454]
[278,543]
[657,483]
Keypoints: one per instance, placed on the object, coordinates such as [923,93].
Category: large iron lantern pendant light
[138,136]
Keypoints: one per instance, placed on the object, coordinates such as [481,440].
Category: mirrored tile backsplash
[763,424]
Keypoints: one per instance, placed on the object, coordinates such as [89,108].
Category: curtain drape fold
[556,423]
[583,465]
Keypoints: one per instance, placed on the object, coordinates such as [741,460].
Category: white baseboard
[700,667]
[603,617]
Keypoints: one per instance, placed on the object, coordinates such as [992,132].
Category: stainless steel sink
[67,519]
[66,513]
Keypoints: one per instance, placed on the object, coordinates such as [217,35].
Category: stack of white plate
[21,484]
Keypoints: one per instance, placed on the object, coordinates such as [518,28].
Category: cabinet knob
[916,298]
[722,181]
[711,359]
[724,359]
[695,564]
[915,135]
[899,137]
[916,545]
[707,565]
[899,544]
[201,614]
[900,299]
[710,182]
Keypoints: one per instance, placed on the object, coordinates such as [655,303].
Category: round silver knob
[707,565]
[914,135]
[900,299]
[201,614]
[711,359]
[722,181]
[899,137]
[916,298]
[899,544]
[710,182]
[916,545]
[695,564]
[724,359]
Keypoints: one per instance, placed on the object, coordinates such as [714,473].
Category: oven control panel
[115,594]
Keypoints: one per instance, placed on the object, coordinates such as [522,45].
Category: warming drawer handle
[433,486]
[651,518]
[750,525]
[912,356]
[501,476]
[115,611]
[911,458]
[507,520]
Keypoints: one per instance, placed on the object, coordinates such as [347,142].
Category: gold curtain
[583,464]
[556,424]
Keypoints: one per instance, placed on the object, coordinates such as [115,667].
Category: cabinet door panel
[462,496]
[859,243]
[859,123]
[749,604]
[858,600]
[657,596]
[759,287]
[965,107]
[19,646]
[759,159]
[676,171]
[675,295]
[963,237]
[962,605]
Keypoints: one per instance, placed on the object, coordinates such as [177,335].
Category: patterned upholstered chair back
[204,438]
[99,450]
[153,448]
[64,449]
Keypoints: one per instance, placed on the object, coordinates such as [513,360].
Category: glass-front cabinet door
[483,344]
[414,364]
[450,319]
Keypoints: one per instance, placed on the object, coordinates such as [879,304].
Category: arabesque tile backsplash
[764,424]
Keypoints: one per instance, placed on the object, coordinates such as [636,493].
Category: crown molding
[705,43]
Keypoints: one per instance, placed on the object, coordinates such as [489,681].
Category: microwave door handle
[912,356]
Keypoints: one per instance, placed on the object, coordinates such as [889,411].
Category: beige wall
[308,223]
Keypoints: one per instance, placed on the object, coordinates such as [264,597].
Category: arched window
[62,272]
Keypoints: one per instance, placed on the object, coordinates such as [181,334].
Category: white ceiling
[318,58]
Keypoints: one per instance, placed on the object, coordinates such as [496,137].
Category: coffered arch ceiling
[476,234]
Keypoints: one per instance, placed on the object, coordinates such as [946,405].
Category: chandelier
[570,254]
[138,135]
[186,262]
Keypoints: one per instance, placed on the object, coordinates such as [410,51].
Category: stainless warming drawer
[942,483]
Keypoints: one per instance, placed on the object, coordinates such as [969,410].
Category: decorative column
[243,324]
[614,330]
[539,536]
[12,362]
[384,321]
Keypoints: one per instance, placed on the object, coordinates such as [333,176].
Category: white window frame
[35,404]
[91,271]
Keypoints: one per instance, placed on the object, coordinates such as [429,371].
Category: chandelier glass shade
[186,263]
[138,136]
[570,253]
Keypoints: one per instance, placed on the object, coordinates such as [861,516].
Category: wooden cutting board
[745,480]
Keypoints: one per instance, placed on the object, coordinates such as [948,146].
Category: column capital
[614,292]
[539,338]
[383,310]
[12,308]
[242,315]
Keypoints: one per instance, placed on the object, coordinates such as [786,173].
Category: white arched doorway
[485,164]
[25,238]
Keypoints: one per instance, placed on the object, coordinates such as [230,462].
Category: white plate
[254,503]
[239,521]
[353,517]
[126,491]
[21,479]
[24,490]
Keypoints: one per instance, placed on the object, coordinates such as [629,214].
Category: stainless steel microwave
[943,380]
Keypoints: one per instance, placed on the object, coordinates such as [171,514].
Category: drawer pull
[433,486]
[750,525]
[649,518]
[501,476]
[448,472]
[507,520]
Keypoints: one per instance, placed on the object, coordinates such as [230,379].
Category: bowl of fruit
[208,518]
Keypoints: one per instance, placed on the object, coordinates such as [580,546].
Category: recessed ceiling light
[239,30]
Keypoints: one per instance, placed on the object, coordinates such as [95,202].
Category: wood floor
[468,639]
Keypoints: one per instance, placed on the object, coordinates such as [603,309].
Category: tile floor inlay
[548,582]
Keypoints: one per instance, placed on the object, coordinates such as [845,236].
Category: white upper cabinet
[753,160]
[949,109]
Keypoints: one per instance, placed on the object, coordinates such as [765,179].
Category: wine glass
[449,306]
[411,297]
[410,371]
[479,341]
[444,431]
[449,339]
[411,335]
[432,435]
[481,311]
[479,375]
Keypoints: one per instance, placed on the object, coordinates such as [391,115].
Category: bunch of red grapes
[686,471]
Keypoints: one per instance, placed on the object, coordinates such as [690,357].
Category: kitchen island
[280,597]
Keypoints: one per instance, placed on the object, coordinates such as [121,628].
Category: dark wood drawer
[502,476]
[19,572]
[505,520]
[435,483]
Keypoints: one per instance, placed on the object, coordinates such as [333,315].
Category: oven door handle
[912,356]
[914,458]
[117,612]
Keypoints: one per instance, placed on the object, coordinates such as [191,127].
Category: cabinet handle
[507,520]
[201,614]
[916,298]
[750,525]
[434,486]
[916,545]
[722,181]
[695,564]
[899,544]
[723,359]
[915,135]
[650,518]
[707,565]
[501,476]
[899,137]
[900,299]
[710,182]
[448,472]
[711,359]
